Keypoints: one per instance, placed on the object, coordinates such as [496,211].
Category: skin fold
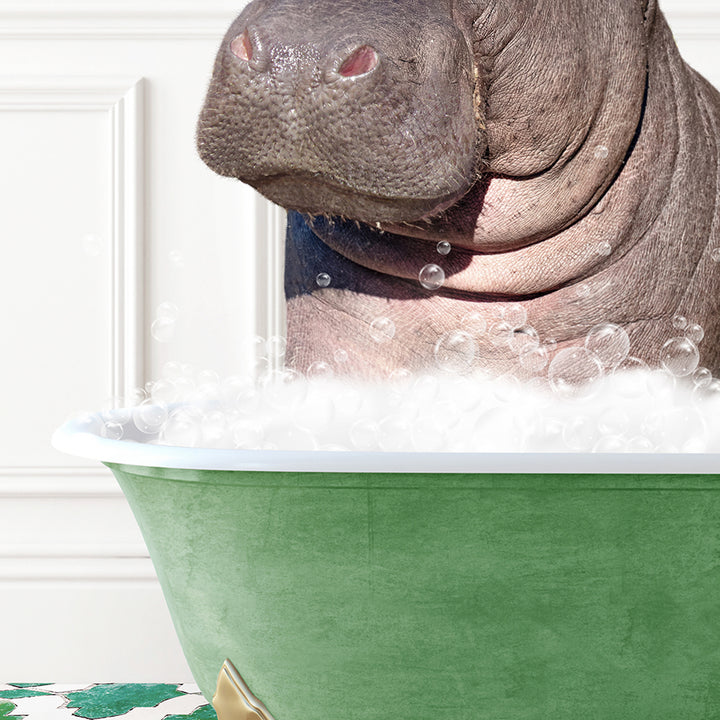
[562,148]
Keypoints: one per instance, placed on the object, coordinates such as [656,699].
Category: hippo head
[363,110]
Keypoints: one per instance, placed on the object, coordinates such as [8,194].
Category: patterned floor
[134,701]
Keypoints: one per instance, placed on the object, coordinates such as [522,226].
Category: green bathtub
[444,585]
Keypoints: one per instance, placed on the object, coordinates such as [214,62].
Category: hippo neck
[627,251]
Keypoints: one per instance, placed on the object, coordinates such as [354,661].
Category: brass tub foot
[233,699]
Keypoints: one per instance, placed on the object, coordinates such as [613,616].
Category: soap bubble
[444,247]
[394,434]
[715,255]
[501,333]
[613,421]
[320,369]
[679,356]
[695,333]
[611,444]
[534,359]
[214,430]
[679,322]
[572,371]
[601,152]
[92,245]
[183,427]
[432,277]
[604,249]
[474,322]
[609,343]
[150,417]
[167,310]
[340,356]
[640,444]
[515,315]
[163,329]
[382,329]
[523,339]
[364,434]
[581,433]
[702,377]
[177,258]
[322,280]
[276,346]
[455,351]
[247,434]
[112,430]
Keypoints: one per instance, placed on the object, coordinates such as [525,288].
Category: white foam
[633,411]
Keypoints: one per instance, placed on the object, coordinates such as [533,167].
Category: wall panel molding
[121,101]
[72,20]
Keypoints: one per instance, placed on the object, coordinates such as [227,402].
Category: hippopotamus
[511,174]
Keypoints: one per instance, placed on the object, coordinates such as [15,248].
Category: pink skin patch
[242,47]
[362,61]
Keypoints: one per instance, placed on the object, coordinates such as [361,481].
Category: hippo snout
[355,110]
[358,61]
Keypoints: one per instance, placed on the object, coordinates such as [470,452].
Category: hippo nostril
[359,62]
[241,46]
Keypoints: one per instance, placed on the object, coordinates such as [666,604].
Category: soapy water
[622,406]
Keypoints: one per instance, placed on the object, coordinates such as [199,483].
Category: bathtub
[354,586]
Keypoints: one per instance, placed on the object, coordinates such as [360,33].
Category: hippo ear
[555,73]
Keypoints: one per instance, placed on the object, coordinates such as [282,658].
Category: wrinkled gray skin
[562,147]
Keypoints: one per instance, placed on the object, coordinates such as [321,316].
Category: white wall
[106,213]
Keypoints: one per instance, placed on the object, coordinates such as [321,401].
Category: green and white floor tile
[96,701]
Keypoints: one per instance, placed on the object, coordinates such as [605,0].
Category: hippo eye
[241,46]
[360,62]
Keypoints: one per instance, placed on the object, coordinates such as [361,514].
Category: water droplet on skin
[679,356]
[444,247]
[609,343]
[582,290]
[695,333]
[604,249]
[163,329]
[679,322]
[382,330]
[455,351]
[572,371]
[432,277]
[323,280]
[601,152]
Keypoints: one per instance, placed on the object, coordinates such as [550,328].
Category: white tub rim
[72,438]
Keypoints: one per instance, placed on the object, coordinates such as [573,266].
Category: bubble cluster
[582,395]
